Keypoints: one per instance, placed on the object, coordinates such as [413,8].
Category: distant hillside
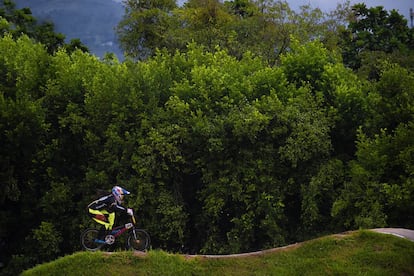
[92,21]
[356,253]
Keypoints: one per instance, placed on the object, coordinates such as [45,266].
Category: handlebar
[132,215]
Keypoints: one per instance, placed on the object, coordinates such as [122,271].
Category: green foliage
[305,63]
[380,181]
[225,149]
[47,241]
[374,29]
[150,21]
[22,126]
[319,195]
[261,27]
[396,96]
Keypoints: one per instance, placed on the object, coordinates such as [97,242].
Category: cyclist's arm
[119,208]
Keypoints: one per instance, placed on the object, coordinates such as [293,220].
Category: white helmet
[119,193]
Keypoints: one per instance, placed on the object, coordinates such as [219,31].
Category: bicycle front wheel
[138,240]
[89,239]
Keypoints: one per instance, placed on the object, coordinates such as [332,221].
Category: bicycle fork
[110,239]
[135,233]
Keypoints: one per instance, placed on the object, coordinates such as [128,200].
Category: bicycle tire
[88,238]
[141,243]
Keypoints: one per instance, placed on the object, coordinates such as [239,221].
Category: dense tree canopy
[224,149]
[375,29]
[262,27]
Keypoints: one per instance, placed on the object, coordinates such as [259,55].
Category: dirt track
[399,232]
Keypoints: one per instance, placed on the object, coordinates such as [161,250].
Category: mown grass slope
[356,253]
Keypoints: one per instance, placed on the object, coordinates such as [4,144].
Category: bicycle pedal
[109,239]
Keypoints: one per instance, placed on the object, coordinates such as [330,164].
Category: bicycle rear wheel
[89,239]
[139,241]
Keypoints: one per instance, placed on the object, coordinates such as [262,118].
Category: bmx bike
[137,239]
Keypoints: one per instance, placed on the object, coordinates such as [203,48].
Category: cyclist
[103,210]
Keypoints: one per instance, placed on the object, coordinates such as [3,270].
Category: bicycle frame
[138,239]
[119,230]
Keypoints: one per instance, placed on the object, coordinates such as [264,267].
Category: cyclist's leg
[111,220]
[103,218]
[108,227]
